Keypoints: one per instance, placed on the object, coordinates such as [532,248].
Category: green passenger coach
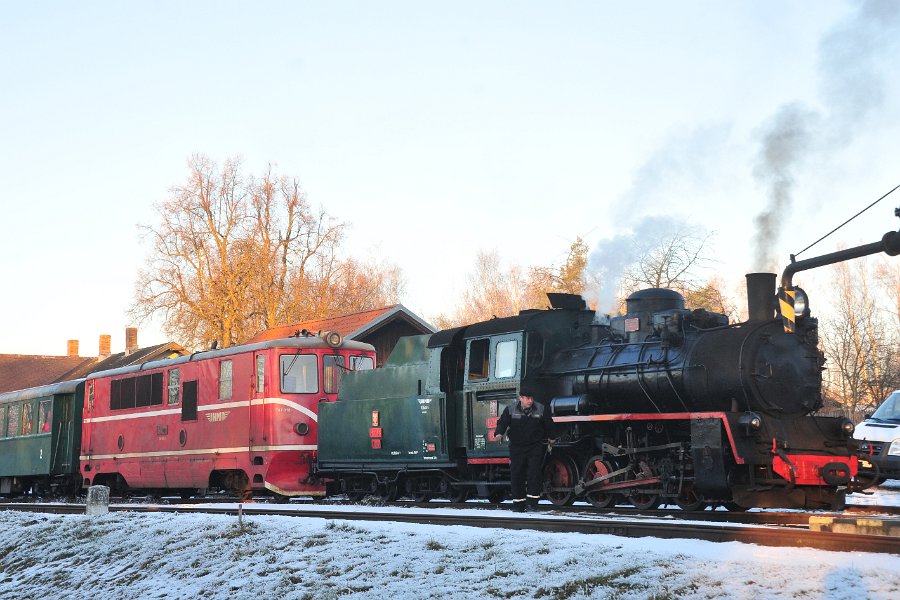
[40,433]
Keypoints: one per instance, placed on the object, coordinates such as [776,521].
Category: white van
[879,439]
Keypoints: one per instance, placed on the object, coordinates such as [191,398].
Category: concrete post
[97,502]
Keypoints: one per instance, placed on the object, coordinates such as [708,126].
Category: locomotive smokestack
[760,296]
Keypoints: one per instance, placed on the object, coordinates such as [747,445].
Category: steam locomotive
[662,405]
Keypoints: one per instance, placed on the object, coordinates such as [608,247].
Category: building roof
[352,326]
[22,371]
[141,355]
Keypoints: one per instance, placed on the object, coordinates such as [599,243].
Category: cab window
[361,363]
[505,363]
[478,359]
[535,349]
[332,366]
[299,373]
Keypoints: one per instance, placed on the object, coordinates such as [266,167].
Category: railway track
[793,534]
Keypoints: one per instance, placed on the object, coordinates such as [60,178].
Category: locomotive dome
[654,300]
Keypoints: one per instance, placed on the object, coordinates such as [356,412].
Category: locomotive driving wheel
[641,500]
[560,472]
[644,501]
[688,498]
[597,467]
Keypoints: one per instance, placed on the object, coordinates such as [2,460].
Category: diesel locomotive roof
[288,343]
[63,387]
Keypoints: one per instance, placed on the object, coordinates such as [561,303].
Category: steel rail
[761,535]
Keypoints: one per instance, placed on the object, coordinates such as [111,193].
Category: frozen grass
[130,555]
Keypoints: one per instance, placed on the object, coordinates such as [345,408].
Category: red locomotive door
[257,412]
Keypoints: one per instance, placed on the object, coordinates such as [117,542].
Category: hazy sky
[436,130]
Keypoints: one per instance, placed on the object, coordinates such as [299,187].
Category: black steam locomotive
[662,405]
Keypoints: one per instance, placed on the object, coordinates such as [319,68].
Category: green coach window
[27,418]
[3,411]
[44,416]
[12,425]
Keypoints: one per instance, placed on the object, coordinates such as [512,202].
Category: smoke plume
[853,59]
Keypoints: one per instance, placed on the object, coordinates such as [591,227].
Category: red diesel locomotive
[243,418]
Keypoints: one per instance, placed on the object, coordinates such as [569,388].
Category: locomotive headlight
[894,450]
[801,303]
[750,422]
[301,428]
[847,427]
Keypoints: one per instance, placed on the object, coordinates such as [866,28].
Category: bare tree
[861,347]
[493,290]
[233,255]
[671,261]
[888,274]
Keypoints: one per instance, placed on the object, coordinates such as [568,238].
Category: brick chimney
[105,346]
[72,348]
[131,343]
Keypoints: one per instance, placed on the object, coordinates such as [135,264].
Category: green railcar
[40,434]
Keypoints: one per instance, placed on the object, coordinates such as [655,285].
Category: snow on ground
[131,555]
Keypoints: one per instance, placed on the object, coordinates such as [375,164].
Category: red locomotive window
[174,378]
[225,380]
[332,365]
[189,401]
[260,373]
[136,392]
[361,363]
[299,373]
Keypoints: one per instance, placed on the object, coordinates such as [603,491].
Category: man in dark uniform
[528,425]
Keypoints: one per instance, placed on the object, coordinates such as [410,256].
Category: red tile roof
[344,325]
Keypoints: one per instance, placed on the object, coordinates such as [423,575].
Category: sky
[164,555]
[436,130]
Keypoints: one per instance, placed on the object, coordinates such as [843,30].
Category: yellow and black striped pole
[786,308]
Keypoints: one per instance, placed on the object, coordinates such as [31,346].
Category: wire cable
[847,221]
